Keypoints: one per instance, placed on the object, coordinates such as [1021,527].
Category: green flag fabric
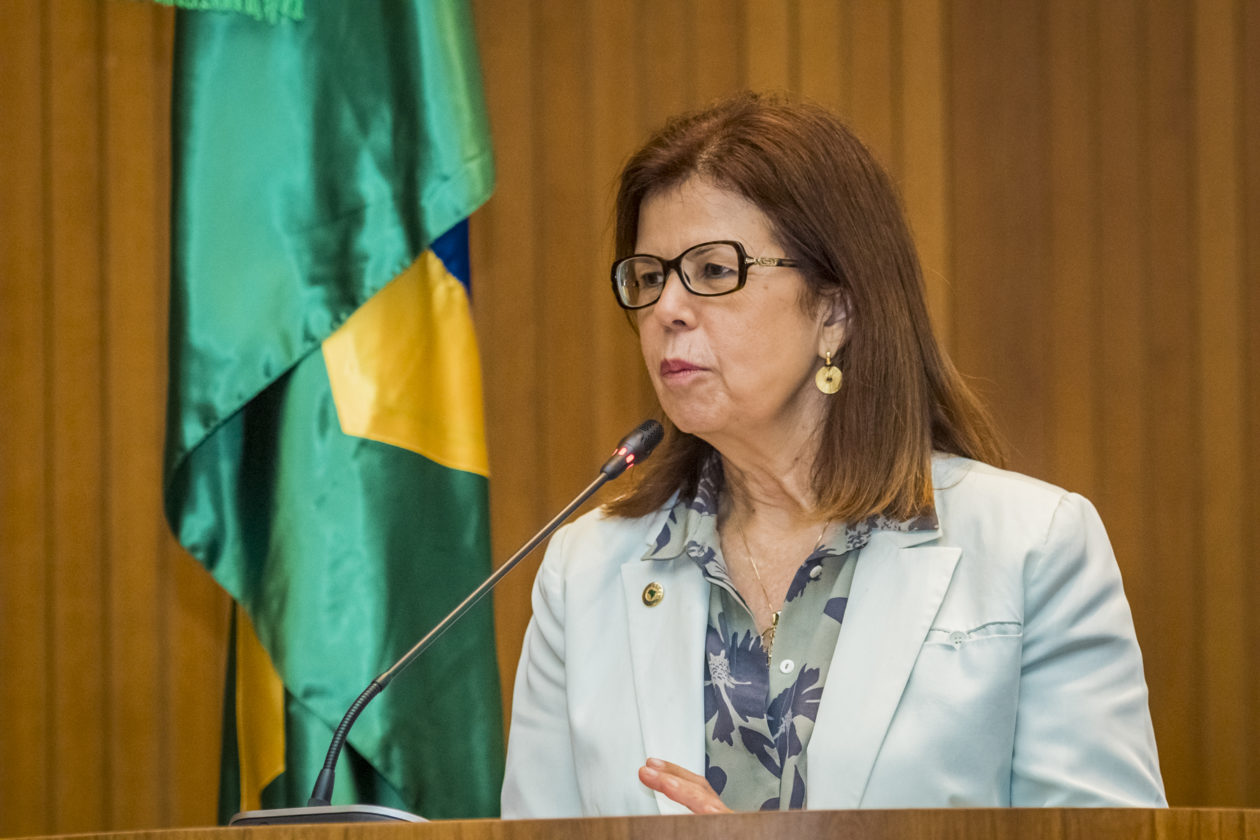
[325,451]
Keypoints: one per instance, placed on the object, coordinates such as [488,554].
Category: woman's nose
[676,305]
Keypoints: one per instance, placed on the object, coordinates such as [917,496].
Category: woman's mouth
[678,369]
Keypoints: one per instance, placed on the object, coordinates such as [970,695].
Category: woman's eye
[651,279]
[714,270]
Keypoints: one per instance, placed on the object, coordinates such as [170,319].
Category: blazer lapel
[666,650]
[897,590]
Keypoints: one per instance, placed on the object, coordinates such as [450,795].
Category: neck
[768,522]
[774,490]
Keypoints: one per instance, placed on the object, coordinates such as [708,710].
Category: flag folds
[325,449]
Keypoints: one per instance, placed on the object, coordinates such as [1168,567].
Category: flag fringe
[270,11]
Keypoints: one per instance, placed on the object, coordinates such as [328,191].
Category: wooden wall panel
[506,310]
[1250,456]
[562,169]
[665,81]
[1084,182]
[110,706]
[1218,211]
[134,372]
[874,84]
[1000,276]
[824,67]
[1071,66]
[924,148]
[1047,153]
[25,643]
[714,30]
[1123,277]
[76,605]
[767,46]
[1171,364]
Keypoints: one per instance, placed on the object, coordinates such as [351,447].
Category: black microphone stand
[634,447]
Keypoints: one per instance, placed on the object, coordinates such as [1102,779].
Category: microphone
[635,446]
[632,449]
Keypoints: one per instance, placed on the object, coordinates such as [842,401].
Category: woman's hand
[682,786]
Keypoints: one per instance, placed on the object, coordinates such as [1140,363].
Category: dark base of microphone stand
[313,814]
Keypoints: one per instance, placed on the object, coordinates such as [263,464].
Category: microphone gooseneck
[632,449]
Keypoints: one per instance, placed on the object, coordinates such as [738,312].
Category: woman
[822,592]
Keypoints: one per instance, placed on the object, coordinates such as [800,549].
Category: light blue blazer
[989,663]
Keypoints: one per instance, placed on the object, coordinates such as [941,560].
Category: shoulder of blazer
[971,496]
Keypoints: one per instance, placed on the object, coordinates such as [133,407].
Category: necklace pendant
[767,637]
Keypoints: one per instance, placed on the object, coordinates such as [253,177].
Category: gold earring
[828,377]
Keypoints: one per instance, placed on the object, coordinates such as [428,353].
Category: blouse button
[786,666]
[815,573]
[957,638]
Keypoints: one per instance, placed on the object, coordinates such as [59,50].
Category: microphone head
[633,448]
[643,439]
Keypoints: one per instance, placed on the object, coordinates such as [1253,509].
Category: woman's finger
[682,786]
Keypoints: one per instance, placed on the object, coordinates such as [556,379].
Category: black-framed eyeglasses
[708,269]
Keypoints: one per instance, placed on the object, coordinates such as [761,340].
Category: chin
[701,427]
[694,417]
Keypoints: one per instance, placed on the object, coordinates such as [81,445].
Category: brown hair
[837,212]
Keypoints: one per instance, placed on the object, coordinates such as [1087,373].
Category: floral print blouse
[759,710]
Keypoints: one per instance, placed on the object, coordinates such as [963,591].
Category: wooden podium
[947,824]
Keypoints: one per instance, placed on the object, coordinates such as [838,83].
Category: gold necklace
[767,635]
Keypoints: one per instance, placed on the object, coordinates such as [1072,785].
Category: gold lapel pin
[653,594]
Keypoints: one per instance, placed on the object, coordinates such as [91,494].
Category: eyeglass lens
[712,268]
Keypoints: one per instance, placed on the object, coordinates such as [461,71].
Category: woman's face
[739,366]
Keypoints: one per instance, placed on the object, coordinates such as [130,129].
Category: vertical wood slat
[25,693]
[1122,268]
[1023,286]
[1122,272]
[1000,280]
[822,52]
[875,80]
[715,45]
[179,710]
[1171,365]
[1227,722]
[503,250]
[1250,165]
[768,45]
[664,55]
[79,700]
[566,260]
[924,163]
[504,253]
[1072,72]
[132,417]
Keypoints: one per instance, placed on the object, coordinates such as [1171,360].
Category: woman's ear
[835,326]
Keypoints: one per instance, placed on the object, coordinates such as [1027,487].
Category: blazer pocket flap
[957,637]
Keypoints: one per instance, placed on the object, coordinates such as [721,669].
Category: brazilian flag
[326,455]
